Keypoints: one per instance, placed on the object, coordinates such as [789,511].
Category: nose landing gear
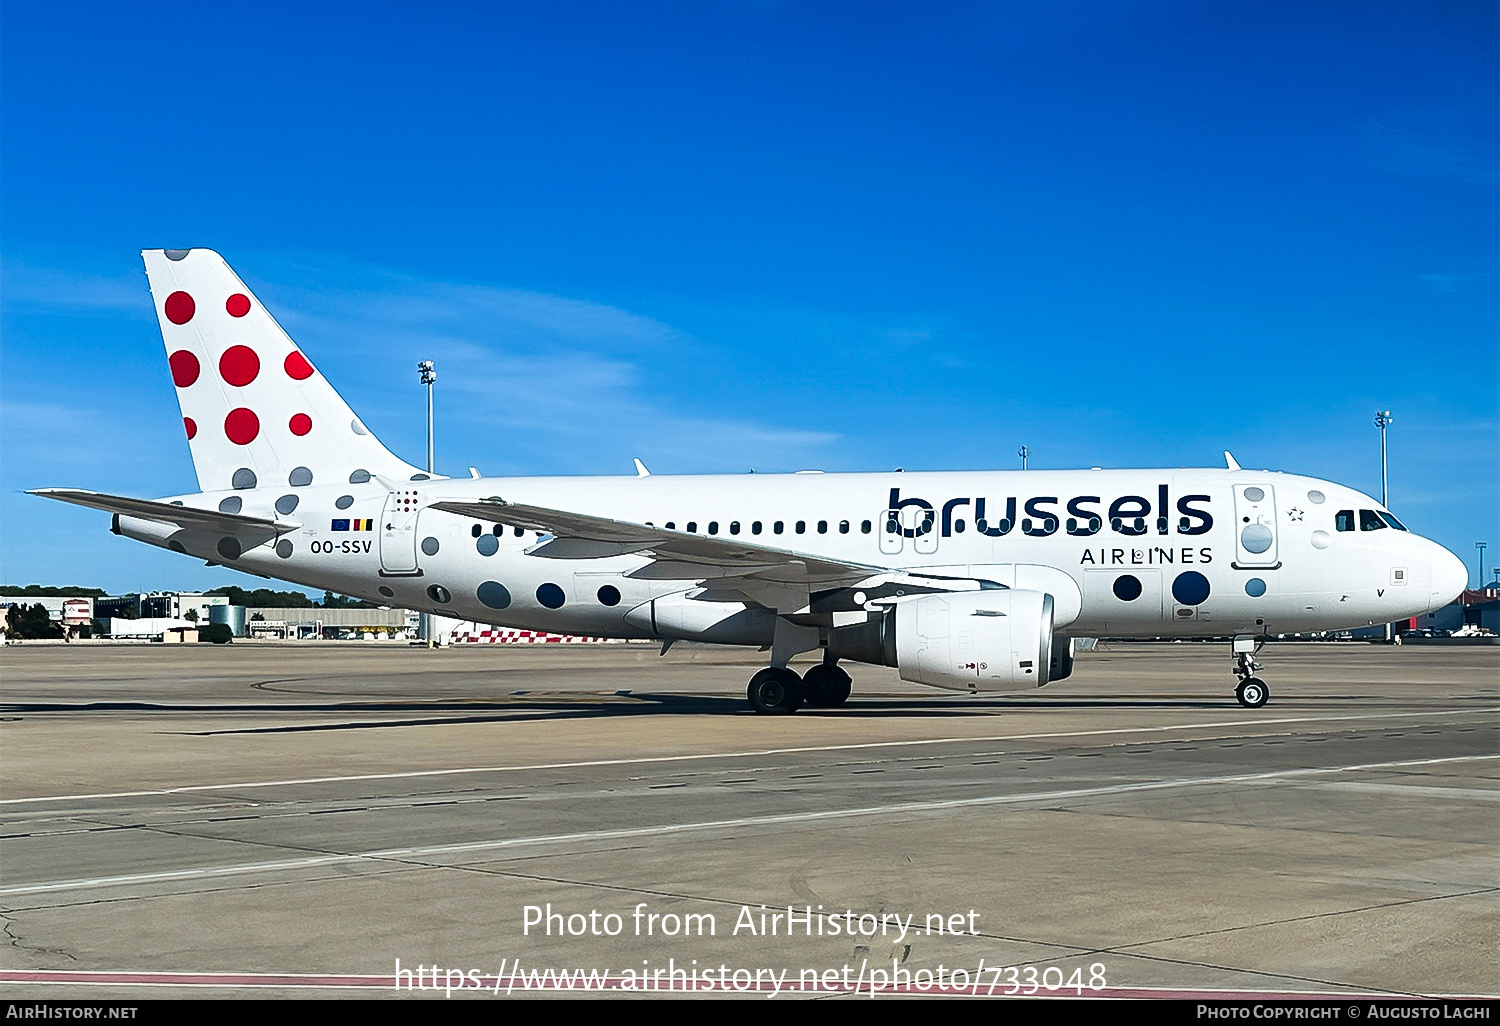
[1251,691]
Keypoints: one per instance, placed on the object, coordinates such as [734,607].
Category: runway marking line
[645,760]
[784,819]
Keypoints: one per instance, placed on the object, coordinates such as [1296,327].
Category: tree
[218,633]
[23,622]
[191,616]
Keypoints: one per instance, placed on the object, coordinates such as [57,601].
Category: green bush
[218,633]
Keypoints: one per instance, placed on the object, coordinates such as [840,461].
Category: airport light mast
[1024,453]
[1382,420]
[1481,547]
[427,375]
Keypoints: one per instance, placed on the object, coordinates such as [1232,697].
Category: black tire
[775,692]
[826,687]
[1252,693]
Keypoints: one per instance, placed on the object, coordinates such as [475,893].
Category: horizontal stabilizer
[167,512]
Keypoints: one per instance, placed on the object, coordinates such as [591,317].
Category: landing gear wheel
[775,692]
[1252,693]
[826,686]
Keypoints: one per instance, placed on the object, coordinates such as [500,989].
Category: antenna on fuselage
[1230,463]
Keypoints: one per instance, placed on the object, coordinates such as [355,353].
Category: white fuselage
[1146,553]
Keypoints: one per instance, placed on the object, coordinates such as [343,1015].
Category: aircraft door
[917,522]
[398,534]
[890,532]
[1255,527]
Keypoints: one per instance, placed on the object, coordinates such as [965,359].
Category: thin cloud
[1429,144]
[591,376]
[29,286]
[1451,282]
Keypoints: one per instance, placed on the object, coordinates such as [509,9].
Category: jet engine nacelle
[976,641]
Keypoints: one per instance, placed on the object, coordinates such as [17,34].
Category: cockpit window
[1398,525]
[1343,520]
[1369,520]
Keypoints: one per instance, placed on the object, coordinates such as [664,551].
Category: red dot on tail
[297,366]
[238,305]
[180,307]
[300,424]
[239,365]
[184,368]
[192,428]
[241,426]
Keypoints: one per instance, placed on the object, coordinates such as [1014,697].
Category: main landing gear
[778,691]
[1251,691]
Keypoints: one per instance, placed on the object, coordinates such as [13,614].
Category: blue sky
[724,235]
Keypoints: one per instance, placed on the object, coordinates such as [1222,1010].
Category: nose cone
[1449,577]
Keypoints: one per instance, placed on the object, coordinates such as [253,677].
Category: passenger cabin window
[843,527]
[802,527]
[692,527]
[755,527]
[671,525]
[734,527]
[776,527]
[1369,520]
[822,527]
[1343,520]
[713,527]
[864,527]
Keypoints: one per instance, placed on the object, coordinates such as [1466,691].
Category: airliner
[973,582]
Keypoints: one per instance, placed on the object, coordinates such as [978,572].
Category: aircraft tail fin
[256,412]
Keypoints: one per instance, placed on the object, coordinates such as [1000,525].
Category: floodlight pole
[1481,547]
[1382,420]
[428,375]
[1024,453]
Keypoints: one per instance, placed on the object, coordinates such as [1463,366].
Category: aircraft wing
[676,555]
[167,513]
